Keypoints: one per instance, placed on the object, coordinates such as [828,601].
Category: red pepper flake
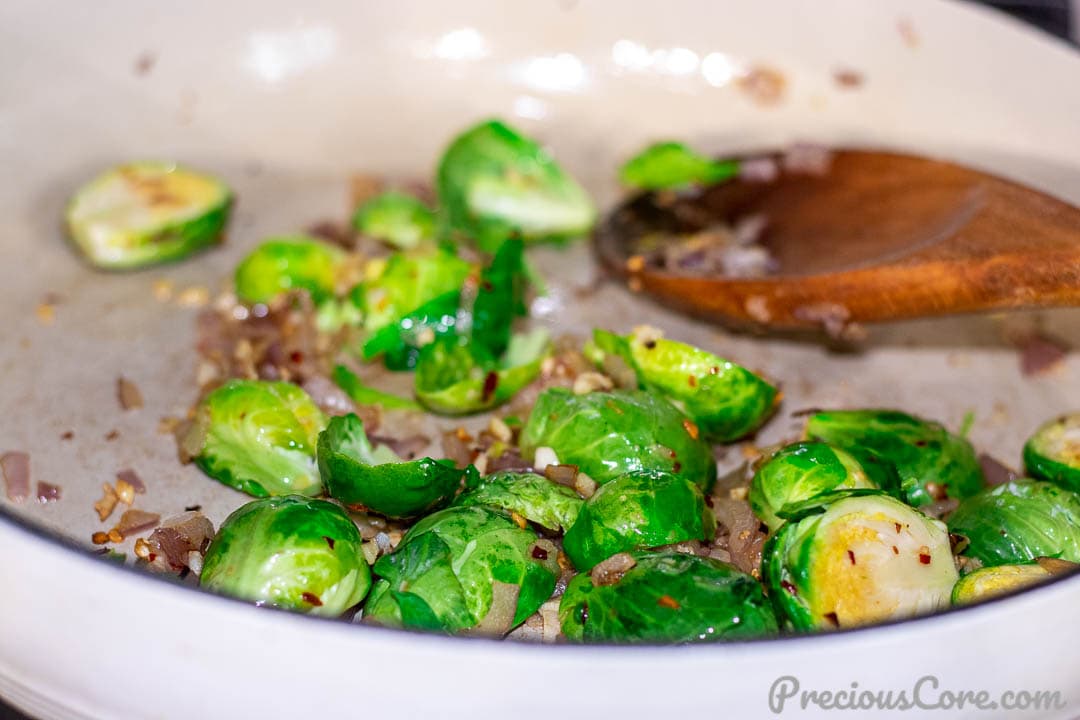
[895,550]
[676,467]
[924,555]
[691,428]
[709,501]
[112,435]
[329,541]
[851,556]
[486,286]
[296,356]
[691,381]
[792,590]
[539,553]
[668,602]
[898,527]
[832,618]
[67,435]
[491,381]
[311,599]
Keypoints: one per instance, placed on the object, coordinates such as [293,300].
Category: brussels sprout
[288,263]
[923,452]
[865,559]
[608,434]
[464,568]
[362,394]
[499,298]
[408,281]
[667,597]
[455,377]
[399,342]
[1053,452]
[290,552]
[531,496]
[258,437]
[725,400]
[376,478]
[493,183]
[801,472]
[989,582]
[1019,521]
[146,213]
[397,219]
[638,511]
[666,165]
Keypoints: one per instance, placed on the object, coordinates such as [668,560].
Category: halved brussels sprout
[1053,452]
[638,511]
[725,400]
[494,182]
[667,597]
[609,434]
[259,437]
[290,552]
[147,213]
[397,219]
[463,569]
[989,582]
[399,342]
[294,262]
[665,165]
[362,394]
[500,297]
[1019,521]
[357,474]
[455,377]
[928,458]
[802,472]
[865,559]
[409,280]
[531,496]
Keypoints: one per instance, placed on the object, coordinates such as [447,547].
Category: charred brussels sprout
[358,474]
[637,512]
[608,434]
[397,219]
[667,598]
[454,376]
[531,496]
[1019,521]
[802,472]
[289,552]
[725,400]
[989,582]
[928,458]
[1053,452]
[494,182]
[408,281]
[864,559]
[259,437]
[147,213]
[667,165]
[282,264]
[463,569]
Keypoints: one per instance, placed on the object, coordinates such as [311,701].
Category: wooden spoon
[879,236]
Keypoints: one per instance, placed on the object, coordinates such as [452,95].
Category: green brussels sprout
[500,297]
[376,478]
[923,452]
[667,597]
[146,213]
[1019,521]
[989,582]
[409,280]
[638,511]
[1053,452]
[804,471]
[531,496]
[463,569]
[494,182]
[290,552]
[295,262]
[666,165]
[397,219]
[455,377]
[362,394]
[258,437]
[609,434]
[725,400]
[399,342]
[863,559]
